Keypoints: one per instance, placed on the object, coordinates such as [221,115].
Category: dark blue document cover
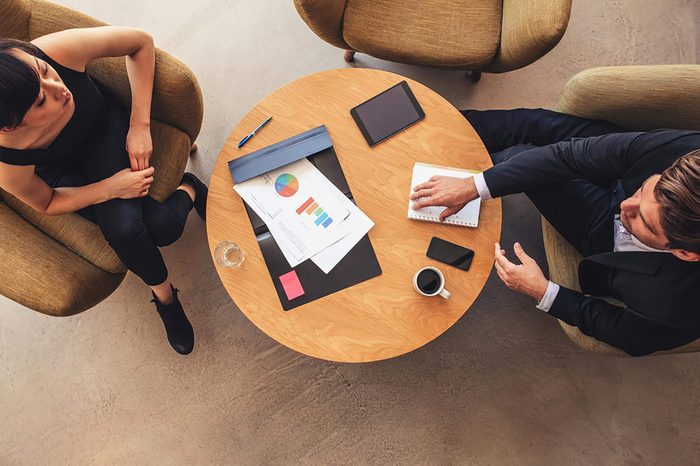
[280,154]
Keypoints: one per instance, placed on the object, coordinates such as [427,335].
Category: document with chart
[304,212]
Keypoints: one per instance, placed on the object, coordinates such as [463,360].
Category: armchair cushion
[456,34]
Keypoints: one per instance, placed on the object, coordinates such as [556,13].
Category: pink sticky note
[292,285]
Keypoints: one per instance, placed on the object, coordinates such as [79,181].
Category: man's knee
[505,154]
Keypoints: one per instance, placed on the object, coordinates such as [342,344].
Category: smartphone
[450,253]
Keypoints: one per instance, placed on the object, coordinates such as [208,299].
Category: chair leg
[474,76]
[349,56]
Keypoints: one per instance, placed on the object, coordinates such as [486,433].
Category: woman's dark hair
[19,82]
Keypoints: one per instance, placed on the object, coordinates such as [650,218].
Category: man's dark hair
[678,193]
[19,82]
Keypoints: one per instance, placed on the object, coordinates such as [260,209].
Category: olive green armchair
[477,35]
[639,98]
[62,265]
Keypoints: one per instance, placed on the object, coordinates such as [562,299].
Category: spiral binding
[448,221]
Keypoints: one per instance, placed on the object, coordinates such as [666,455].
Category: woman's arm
[25,185]
[75,48]
[140,66]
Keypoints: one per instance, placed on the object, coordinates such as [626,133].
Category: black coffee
[428,281]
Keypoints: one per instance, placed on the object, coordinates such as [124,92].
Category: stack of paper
[306,214]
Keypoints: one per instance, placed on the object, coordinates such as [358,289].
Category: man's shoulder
[681,138]
[649,263]
[674,131]
[641,146]
[654,151]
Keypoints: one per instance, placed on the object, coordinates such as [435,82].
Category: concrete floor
[503,386]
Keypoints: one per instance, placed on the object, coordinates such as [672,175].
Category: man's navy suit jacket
[661,292]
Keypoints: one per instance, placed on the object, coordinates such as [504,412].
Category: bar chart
[311,207]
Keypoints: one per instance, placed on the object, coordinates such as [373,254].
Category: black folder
[358,265]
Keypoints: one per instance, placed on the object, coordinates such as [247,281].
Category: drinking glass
[228,254]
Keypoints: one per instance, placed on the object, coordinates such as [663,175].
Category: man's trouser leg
[501,129]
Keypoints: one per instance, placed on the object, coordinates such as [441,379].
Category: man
[629,202]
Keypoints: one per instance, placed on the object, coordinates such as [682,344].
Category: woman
[67,146]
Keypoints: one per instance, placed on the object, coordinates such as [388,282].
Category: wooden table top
[382,317]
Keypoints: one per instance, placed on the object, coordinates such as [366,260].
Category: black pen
[262,125]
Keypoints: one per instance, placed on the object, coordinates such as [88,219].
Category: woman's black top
[83,129]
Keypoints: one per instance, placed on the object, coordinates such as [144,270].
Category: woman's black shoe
[177,327]
[200,193]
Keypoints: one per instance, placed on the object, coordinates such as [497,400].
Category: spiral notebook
[468,216]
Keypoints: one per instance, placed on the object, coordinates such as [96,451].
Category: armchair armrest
[177,98]
[636,97]
[325,19]
[14,21]
[529,29]
[42,274]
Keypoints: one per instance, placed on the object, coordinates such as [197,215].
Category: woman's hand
[139,146]
[127,184]
[453,193]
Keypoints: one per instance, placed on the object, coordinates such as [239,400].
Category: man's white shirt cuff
[481,187]
[550,295]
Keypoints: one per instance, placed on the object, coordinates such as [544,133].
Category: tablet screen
[387,113]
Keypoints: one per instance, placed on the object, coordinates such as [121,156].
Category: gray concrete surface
[503,386]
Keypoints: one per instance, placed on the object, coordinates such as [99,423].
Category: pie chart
[286,185]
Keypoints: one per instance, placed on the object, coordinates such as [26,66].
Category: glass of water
[228,254]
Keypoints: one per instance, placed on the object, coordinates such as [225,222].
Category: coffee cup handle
[445,294]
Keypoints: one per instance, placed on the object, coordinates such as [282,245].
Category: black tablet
[386,114]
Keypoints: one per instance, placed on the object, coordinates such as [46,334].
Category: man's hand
[450,192]
[526,278]
[139,146]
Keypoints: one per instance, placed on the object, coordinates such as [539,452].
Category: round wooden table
[382,317]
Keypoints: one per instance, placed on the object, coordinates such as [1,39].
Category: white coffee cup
[428,283]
